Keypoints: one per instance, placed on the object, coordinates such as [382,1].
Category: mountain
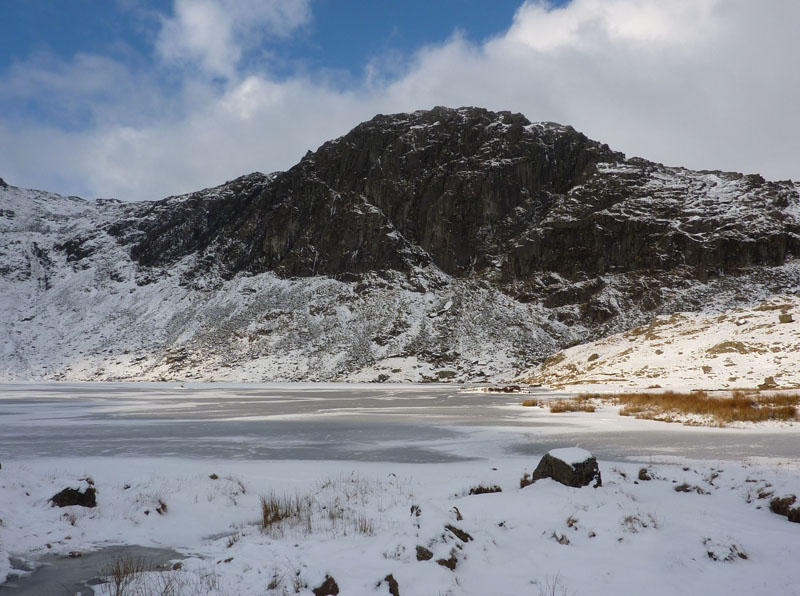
[450,244]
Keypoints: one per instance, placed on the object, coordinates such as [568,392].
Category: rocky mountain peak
[451,187]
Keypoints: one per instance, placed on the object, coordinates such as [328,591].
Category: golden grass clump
[276,508]
[740,406]
[559,406]
[578,404]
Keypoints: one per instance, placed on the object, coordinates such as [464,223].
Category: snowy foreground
[359,521]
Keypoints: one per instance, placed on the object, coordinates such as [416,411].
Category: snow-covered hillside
[741,348]
[89,315]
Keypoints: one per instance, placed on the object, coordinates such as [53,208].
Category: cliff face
[386,245]
[475,193]
[450,187]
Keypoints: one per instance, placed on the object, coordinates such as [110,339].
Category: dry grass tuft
[123,572]
[740,406]
[578,404]
[276,508]
[559,406]
[485,490]
[137,576]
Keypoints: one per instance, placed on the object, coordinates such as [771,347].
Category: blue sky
[341,34]
[339,38]
[139,99]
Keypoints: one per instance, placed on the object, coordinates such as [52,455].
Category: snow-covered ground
[742,348]
[360,521]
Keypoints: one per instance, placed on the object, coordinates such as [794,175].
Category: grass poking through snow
[694,408]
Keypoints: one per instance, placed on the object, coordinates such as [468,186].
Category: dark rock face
[70,496]
[539,209]
[452,187]
[570,474]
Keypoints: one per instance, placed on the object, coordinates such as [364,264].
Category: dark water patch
[59,575]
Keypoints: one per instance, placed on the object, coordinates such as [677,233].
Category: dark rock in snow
[327,587]
[423,554]
[451,562]
[70,496]
[394,587]
[571,467]
[458,533]
[783,505]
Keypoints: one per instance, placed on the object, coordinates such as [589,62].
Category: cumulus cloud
[213,33]
[699,83]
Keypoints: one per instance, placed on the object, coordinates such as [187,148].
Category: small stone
[327,588]
[449,563]
[423,554]
[458,533]
[769,382]
[394,587]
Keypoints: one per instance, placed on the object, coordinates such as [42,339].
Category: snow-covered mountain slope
[437,245]
[83,310]
[741,348]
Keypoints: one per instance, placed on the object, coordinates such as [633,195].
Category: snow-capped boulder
[571,467]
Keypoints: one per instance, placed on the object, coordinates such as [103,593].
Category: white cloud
[700,83]
[590,24]
[213,33]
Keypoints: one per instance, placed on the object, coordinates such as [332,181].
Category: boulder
[571,467]
[72,496]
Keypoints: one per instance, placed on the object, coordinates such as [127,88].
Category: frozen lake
[374,452]
[407,423]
